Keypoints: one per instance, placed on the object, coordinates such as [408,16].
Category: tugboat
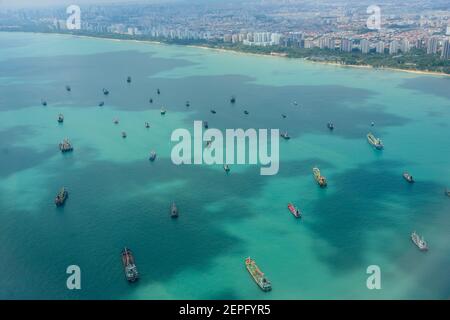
[130,269]
[213,111]
[147,125]
[158,91]
[101,104]
[285,135]
[151,100]
[245,112]
[330,125]
[233,100]
[408,177]
[257,275]
[174,211]
[295,211]
[188,104]
[152,156]
[65,146]
[60,118]
[376,142]
[226,168]
[105,91]
[61,197]
[321,180]
[205,124]
[128,79]
[163,111]
[419,241]
[124,134]
[43,102]
[68,88]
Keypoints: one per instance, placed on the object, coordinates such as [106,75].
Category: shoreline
[417,72]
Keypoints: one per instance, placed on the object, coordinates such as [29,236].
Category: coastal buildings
[394,47]
[379,48]
[446,49]
[346,45]
[365,46]
[432,45]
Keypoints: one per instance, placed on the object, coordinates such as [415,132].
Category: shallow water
[118,198]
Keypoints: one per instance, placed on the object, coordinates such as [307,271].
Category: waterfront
[117,198]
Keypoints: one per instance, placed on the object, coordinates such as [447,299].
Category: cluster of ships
[128,261]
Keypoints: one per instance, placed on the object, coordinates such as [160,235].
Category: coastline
[412,71]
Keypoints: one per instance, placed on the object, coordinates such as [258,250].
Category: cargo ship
[376,142]
[257,275]
[188,104]
[226,168]
[61,197]
[129,267]
[105,91]
[60,118]
[101,104]
[68,88]
[174,211]
[285,135]
[408,177]
[128,79]
[152,156]
[65,146]
[163,111]
[330,125]
[419,241]
[147,125]
[158,91]
[233,100]
[321,180]
[124,134]
[43,102]
[205,124]
[295,211]
[447,192]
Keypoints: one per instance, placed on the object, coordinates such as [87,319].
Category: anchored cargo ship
[419,241]
[376,142]
[408,177]
[174,211]
[321,180]
[65,146]
[61,197]
[294,210]
[257,275]
[130,269]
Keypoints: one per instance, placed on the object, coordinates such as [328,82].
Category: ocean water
[118,198]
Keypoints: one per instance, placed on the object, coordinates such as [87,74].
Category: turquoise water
[118,198]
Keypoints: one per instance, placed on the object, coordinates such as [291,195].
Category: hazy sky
[30,3]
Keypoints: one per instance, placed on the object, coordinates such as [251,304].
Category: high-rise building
[432,45]
[405,46]
[445,54]
[365,46]
[380,47]
[346,45]
[394,47]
